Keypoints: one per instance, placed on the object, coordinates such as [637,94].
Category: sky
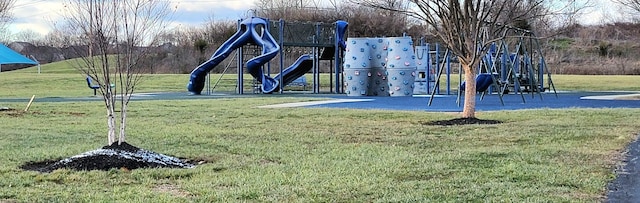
[41,16]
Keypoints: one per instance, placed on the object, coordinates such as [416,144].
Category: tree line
[180,49]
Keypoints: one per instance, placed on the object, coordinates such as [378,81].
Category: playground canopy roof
[9,56]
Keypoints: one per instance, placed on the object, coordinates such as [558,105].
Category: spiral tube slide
[247,33]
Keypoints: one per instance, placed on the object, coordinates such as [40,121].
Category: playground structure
[380,66]
[431,61]
[373,66]
[257,33]
[514,63]
[385,66]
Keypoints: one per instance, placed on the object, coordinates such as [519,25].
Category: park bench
[299,82]
[95,87]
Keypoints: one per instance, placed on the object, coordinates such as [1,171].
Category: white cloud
[597,14]
[36,15]
[207,5]
[41,15]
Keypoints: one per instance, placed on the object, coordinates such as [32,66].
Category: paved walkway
[440,103]
[448,103]
[626,186]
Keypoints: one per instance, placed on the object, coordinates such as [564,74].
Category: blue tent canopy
[9,56]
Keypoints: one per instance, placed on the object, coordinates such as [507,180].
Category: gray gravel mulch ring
[122,156]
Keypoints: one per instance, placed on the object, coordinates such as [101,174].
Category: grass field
[311,155]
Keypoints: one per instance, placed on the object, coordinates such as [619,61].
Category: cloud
[41,15]
[603,11]
[199,17]
[206,5]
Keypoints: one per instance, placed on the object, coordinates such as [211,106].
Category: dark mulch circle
[122,156]
[122,146]
[462,121]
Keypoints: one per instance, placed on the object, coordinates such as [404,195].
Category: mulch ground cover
[462,121]
[115,156]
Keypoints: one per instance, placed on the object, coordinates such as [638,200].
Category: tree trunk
[109,102]
[469,108]
[123,122]
[111,124]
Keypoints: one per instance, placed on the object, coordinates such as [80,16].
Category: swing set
[514,63]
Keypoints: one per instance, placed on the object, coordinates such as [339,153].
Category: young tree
[115,34]
[469,27]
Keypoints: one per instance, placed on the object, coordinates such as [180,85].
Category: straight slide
[302,65]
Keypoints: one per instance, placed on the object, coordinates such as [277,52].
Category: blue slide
[341,30]
[293,72]
[483,81]
[247,33]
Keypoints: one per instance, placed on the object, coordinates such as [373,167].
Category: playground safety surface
[439,103]
[625,188]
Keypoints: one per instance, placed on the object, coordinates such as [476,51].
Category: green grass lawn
[311,155]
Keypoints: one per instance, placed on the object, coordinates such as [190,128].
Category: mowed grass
[324,155]
[309,154]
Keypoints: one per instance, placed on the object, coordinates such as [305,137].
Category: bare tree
[28,35]
[280,8]
[117,35]
[5,17]
[57,38]
[5,7]
[469,27]
[373,21]
[363,21]
[5,34]
[294,10]
[632,5]
[216,32]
